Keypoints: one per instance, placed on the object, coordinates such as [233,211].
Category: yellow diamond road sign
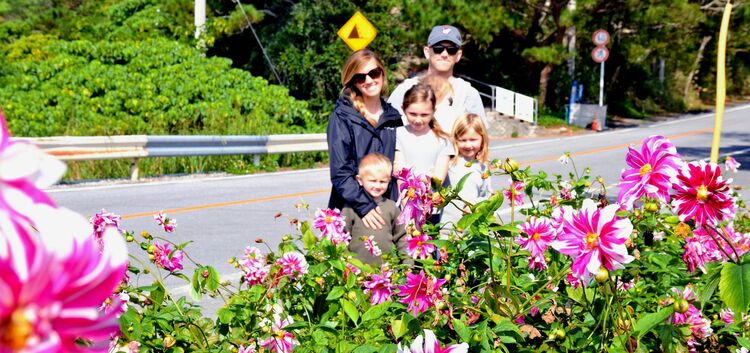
[358,32]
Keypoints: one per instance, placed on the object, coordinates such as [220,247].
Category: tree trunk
[693,69]
[543,80]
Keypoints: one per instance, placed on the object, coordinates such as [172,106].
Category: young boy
[374,175]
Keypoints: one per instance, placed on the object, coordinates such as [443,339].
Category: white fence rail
[134,147]
[507,102]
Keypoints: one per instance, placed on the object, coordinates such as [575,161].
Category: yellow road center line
[320,191]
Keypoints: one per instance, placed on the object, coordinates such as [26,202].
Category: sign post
[600,54]
[721,90]
[358,32]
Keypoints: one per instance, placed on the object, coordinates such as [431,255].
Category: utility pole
[200,18]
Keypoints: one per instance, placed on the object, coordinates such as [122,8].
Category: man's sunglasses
[361,78]
[438,49]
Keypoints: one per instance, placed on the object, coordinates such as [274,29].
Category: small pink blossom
[166,258]
[566,191]
[593,238]
[254,265]
[280,341]
[169,224]
[514,194]
[416,198]
[380,286]
[102,220]
[293,264]
[727,315]
[625,286]
[702,194]
[699,326]
[117,303]
[573,280]
[731,164]
[649,172]
[248,349]
[372,246]
[418,247]
[420,292]
[331,225]
[702,246]
[537,233]
[134,347]
[430,344]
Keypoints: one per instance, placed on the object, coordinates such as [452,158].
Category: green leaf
[712,282]
[296,325]
[734,286]
[467,220]
[308,237]
[225,315]
[650,321]
[335,293]
[376,311]
[462,330]
[213,280]
[365,349]
[743,342]
[350,309]
[399,327]
[158,293]
[460,184]
[196,285]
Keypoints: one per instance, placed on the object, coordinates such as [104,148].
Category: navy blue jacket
[351,137]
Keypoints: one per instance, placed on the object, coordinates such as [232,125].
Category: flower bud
[259,240]
[169,341]
[129,238]
[681,306]
[204,274]
[145,235]
[485,175]
[351,295]
[510,165]
[467,164]
[286,238]
[602,275]
[651,207]
[150,249]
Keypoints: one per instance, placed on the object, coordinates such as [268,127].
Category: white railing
[507,102]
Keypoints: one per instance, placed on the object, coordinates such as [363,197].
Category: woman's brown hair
[353,65]
[467,122]
[419,93]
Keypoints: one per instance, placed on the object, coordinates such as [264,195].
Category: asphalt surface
[223,215]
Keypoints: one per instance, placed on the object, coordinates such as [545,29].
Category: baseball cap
[444,32]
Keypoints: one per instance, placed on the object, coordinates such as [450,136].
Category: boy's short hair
[375,162]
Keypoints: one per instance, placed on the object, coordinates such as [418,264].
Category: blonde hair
[420,93]
[440,85]
[353,65]
[374,162]
[465,123]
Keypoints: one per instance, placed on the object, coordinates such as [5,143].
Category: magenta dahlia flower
[169,224]
[293,264]
[514,194]
[418,247]
[24,172]
[702,194]
[650,171]
[594,238]
[537,233]
[705,245]
[254,266]
[700,327]
[103,220]
[53,278]
[281,341]
[416,198]
[166,258]
[731,164]
[331,225]
[430,344]
[380,286]
[420,292]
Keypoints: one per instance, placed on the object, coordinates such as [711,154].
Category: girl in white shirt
[422,144]
[471,142]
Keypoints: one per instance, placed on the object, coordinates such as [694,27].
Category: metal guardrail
[134,147]
[508,102]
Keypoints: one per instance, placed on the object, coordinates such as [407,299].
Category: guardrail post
[134,169]
[256,160]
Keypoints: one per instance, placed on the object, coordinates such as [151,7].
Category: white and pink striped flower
[430,344]
[254,265]
[169,224]
[379,286]
[372,246]
[731,164]
[537,233]
[418,247]
[650,172]
[281,341]
[701,194]
[293,264]
[514,194]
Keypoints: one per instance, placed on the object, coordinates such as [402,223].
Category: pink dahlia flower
[430,344]
[280,341]
[254,265]
[103,220]
[650,171]
[418,247]
[169,224]
[293,264]
[166,258]
[727,316]
[53,278]
[731,164]
[514,194]
[248,349]
[372,246]
[699,326]
[380,286]
[702,194]
[420,292]
[24,171]
[702,246]
[537,233]
[331,225]
[416,198]
[594,238]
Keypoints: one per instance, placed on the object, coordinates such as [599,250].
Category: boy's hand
[374,219]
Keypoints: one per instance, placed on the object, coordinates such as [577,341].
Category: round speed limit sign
[600,54]
[600,37]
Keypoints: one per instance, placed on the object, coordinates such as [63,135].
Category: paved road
[223,215]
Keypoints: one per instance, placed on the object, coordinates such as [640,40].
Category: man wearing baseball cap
[443,51]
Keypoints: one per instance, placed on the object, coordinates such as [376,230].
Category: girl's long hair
[468,122]
[420,93]
[353,65]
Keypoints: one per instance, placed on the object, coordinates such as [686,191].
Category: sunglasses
[438,49]
[361,78]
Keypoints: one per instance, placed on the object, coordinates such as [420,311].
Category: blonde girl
[422,144]
[471,142]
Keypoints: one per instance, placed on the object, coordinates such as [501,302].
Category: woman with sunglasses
[361,123]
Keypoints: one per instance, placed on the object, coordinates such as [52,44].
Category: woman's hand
[374,219]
